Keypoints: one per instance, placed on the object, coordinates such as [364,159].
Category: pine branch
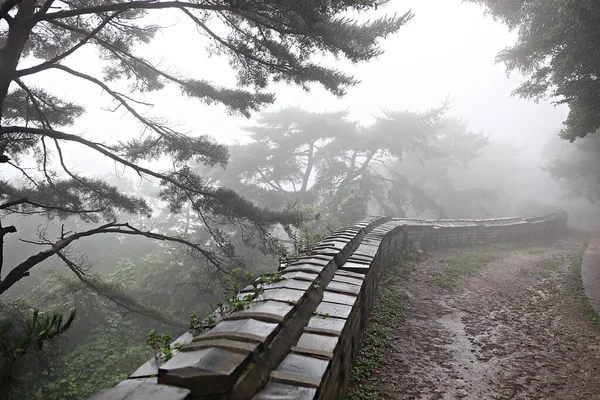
[54,134]
[25,200]
[127,6]
[48,64]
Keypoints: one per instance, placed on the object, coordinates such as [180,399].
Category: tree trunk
[310,161]
[19,29]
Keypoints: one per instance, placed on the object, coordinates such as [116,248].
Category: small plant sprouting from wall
[160,343]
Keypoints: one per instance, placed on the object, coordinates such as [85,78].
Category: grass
[464,263]
[579,289]
[549,263]
[535,250]
[387,313]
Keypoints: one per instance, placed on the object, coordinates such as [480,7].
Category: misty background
[443,59]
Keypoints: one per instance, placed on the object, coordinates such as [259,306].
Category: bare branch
[22,270]
[78,271]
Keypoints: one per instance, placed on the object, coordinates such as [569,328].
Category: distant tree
[558,50]
[576,167]
[437,185]
[265,41]
[330,163]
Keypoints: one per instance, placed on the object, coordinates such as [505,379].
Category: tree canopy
[558,50]
[342,169]
[265,41]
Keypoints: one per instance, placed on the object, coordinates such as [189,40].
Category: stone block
[205,371]
[301,267]
[301,276]
[316,345]
[334,310]
[281,391]
[270,311]
[300,369]
[338,298]
[245,329]
[344,288]
[325,325]
[285,295]
[340,277]
[352,266]
[141,390]
[233,345]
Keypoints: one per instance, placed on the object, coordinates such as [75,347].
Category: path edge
[590,271]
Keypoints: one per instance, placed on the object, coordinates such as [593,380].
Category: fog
[432,130]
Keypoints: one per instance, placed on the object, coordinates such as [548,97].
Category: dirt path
[514,329]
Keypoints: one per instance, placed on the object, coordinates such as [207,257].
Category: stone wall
[299,337]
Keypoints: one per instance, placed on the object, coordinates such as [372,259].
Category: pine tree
[266,41]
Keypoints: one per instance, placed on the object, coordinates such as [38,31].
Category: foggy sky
[446,50]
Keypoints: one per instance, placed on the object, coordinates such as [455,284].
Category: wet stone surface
[299,275]
[270,309]
[303,267]
[234,345]
[343,288]
[250,329]
[325,325]
[319,344]
[141,391]
[301,369]
[356,267]
[366,250]
[338,298]
[205,371]
[281,391]
[284,295]
[312,261]
[286,283]
[339,277]
[334,310]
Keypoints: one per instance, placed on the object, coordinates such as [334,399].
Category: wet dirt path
[514,329]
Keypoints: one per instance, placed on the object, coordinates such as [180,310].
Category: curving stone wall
[298,338]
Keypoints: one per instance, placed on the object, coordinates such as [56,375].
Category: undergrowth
[464,263]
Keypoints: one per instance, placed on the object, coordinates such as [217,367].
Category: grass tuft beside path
[462,264]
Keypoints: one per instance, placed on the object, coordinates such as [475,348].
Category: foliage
[21,344]
[161,345]
[557,50]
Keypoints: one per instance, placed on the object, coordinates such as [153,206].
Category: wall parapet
[298,338]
